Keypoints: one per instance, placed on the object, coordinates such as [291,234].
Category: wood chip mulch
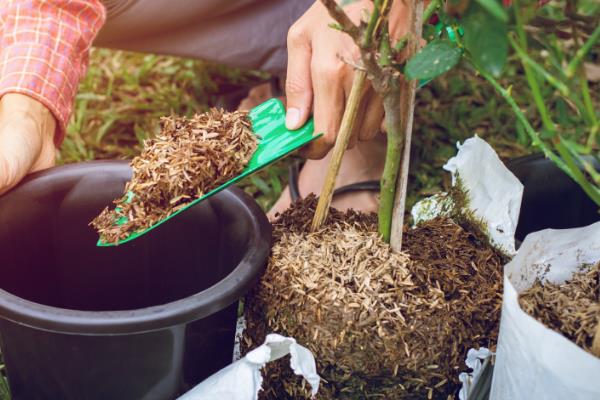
[571,308]
[189,158]
[383,324]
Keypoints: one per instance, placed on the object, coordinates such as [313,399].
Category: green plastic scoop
[274,143]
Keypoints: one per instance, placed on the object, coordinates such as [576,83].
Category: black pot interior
[48,252]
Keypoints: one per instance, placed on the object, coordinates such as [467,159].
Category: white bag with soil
[533,361]
[242,380]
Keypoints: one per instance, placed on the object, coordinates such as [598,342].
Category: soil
[189,158]
[571,309]
[384,324]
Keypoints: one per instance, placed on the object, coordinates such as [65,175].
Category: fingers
[298,84]
[329,104]
[370,125]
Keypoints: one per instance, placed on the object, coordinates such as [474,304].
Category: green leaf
[495,9]
[438,57]
[486,39]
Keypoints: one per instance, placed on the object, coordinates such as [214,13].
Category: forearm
[44,48]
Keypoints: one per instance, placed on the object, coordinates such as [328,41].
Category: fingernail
[292,118]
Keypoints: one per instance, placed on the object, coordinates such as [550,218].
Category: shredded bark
[571,308]
[383,324]
[189,158]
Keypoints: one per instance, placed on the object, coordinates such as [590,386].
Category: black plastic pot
[145,320]
[551,199]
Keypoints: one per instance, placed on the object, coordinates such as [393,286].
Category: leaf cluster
[551,43]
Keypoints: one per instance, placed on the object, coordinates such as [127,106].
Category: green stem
[585,163]
[391,104]
[551,79]
[525,59]
[587,98]
[582,52]
[368,34]
[398,47]
[431,8]
[594,193]
[529,73]
[385,50]
[591,140]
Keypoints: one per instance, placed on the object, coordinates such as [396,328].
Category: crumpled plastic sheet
[475,360]
[494,194]
[242,380]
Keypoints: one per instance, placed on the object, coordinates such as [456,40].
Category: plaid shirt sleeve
[44,50]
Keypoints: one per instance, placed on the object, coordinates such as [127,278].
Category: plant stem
[368,34]
[578,176]
[408,90]
[587,99]
[591,140]
[531,78]
[582,52]
[587,187]
[338,14]
[554,81]
[431,8]
[525,59]
[385,50]
[391,105]
[339,148]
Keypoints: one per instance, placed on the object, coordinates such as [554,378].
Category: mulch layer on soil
[571,308]
[393,325]
[189,158]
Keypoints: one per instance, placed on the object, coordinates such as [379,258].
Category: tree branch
[340,16]
[408,91]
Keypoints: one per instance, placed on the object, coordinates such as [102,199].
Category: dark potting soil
[393,325]
[189,158]
[571,308]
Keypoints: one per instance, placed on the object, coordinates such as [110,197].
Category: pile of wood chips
[189,158]
[571,308]
[383,324]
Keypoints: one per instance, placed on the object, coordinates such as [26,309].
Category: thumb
[26,139]
[17,155]
[298,85]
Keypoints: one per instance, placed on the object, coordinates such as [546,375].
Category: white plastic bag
[242,380]
[476,359]
[532,361]
[493,193]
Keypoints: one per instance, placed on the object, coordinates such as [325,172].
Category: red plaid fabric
[44,50]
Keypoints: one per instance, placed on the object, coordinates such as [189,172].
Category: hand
[319,75]
[26,138]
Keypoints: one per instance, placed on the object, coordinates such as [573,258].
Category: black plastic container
[551,199]
[145,320]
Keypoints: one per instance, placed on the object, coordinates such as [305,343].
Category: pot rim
[197,306]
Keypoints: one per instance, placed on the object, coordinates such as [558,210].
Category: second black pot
[551,199]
